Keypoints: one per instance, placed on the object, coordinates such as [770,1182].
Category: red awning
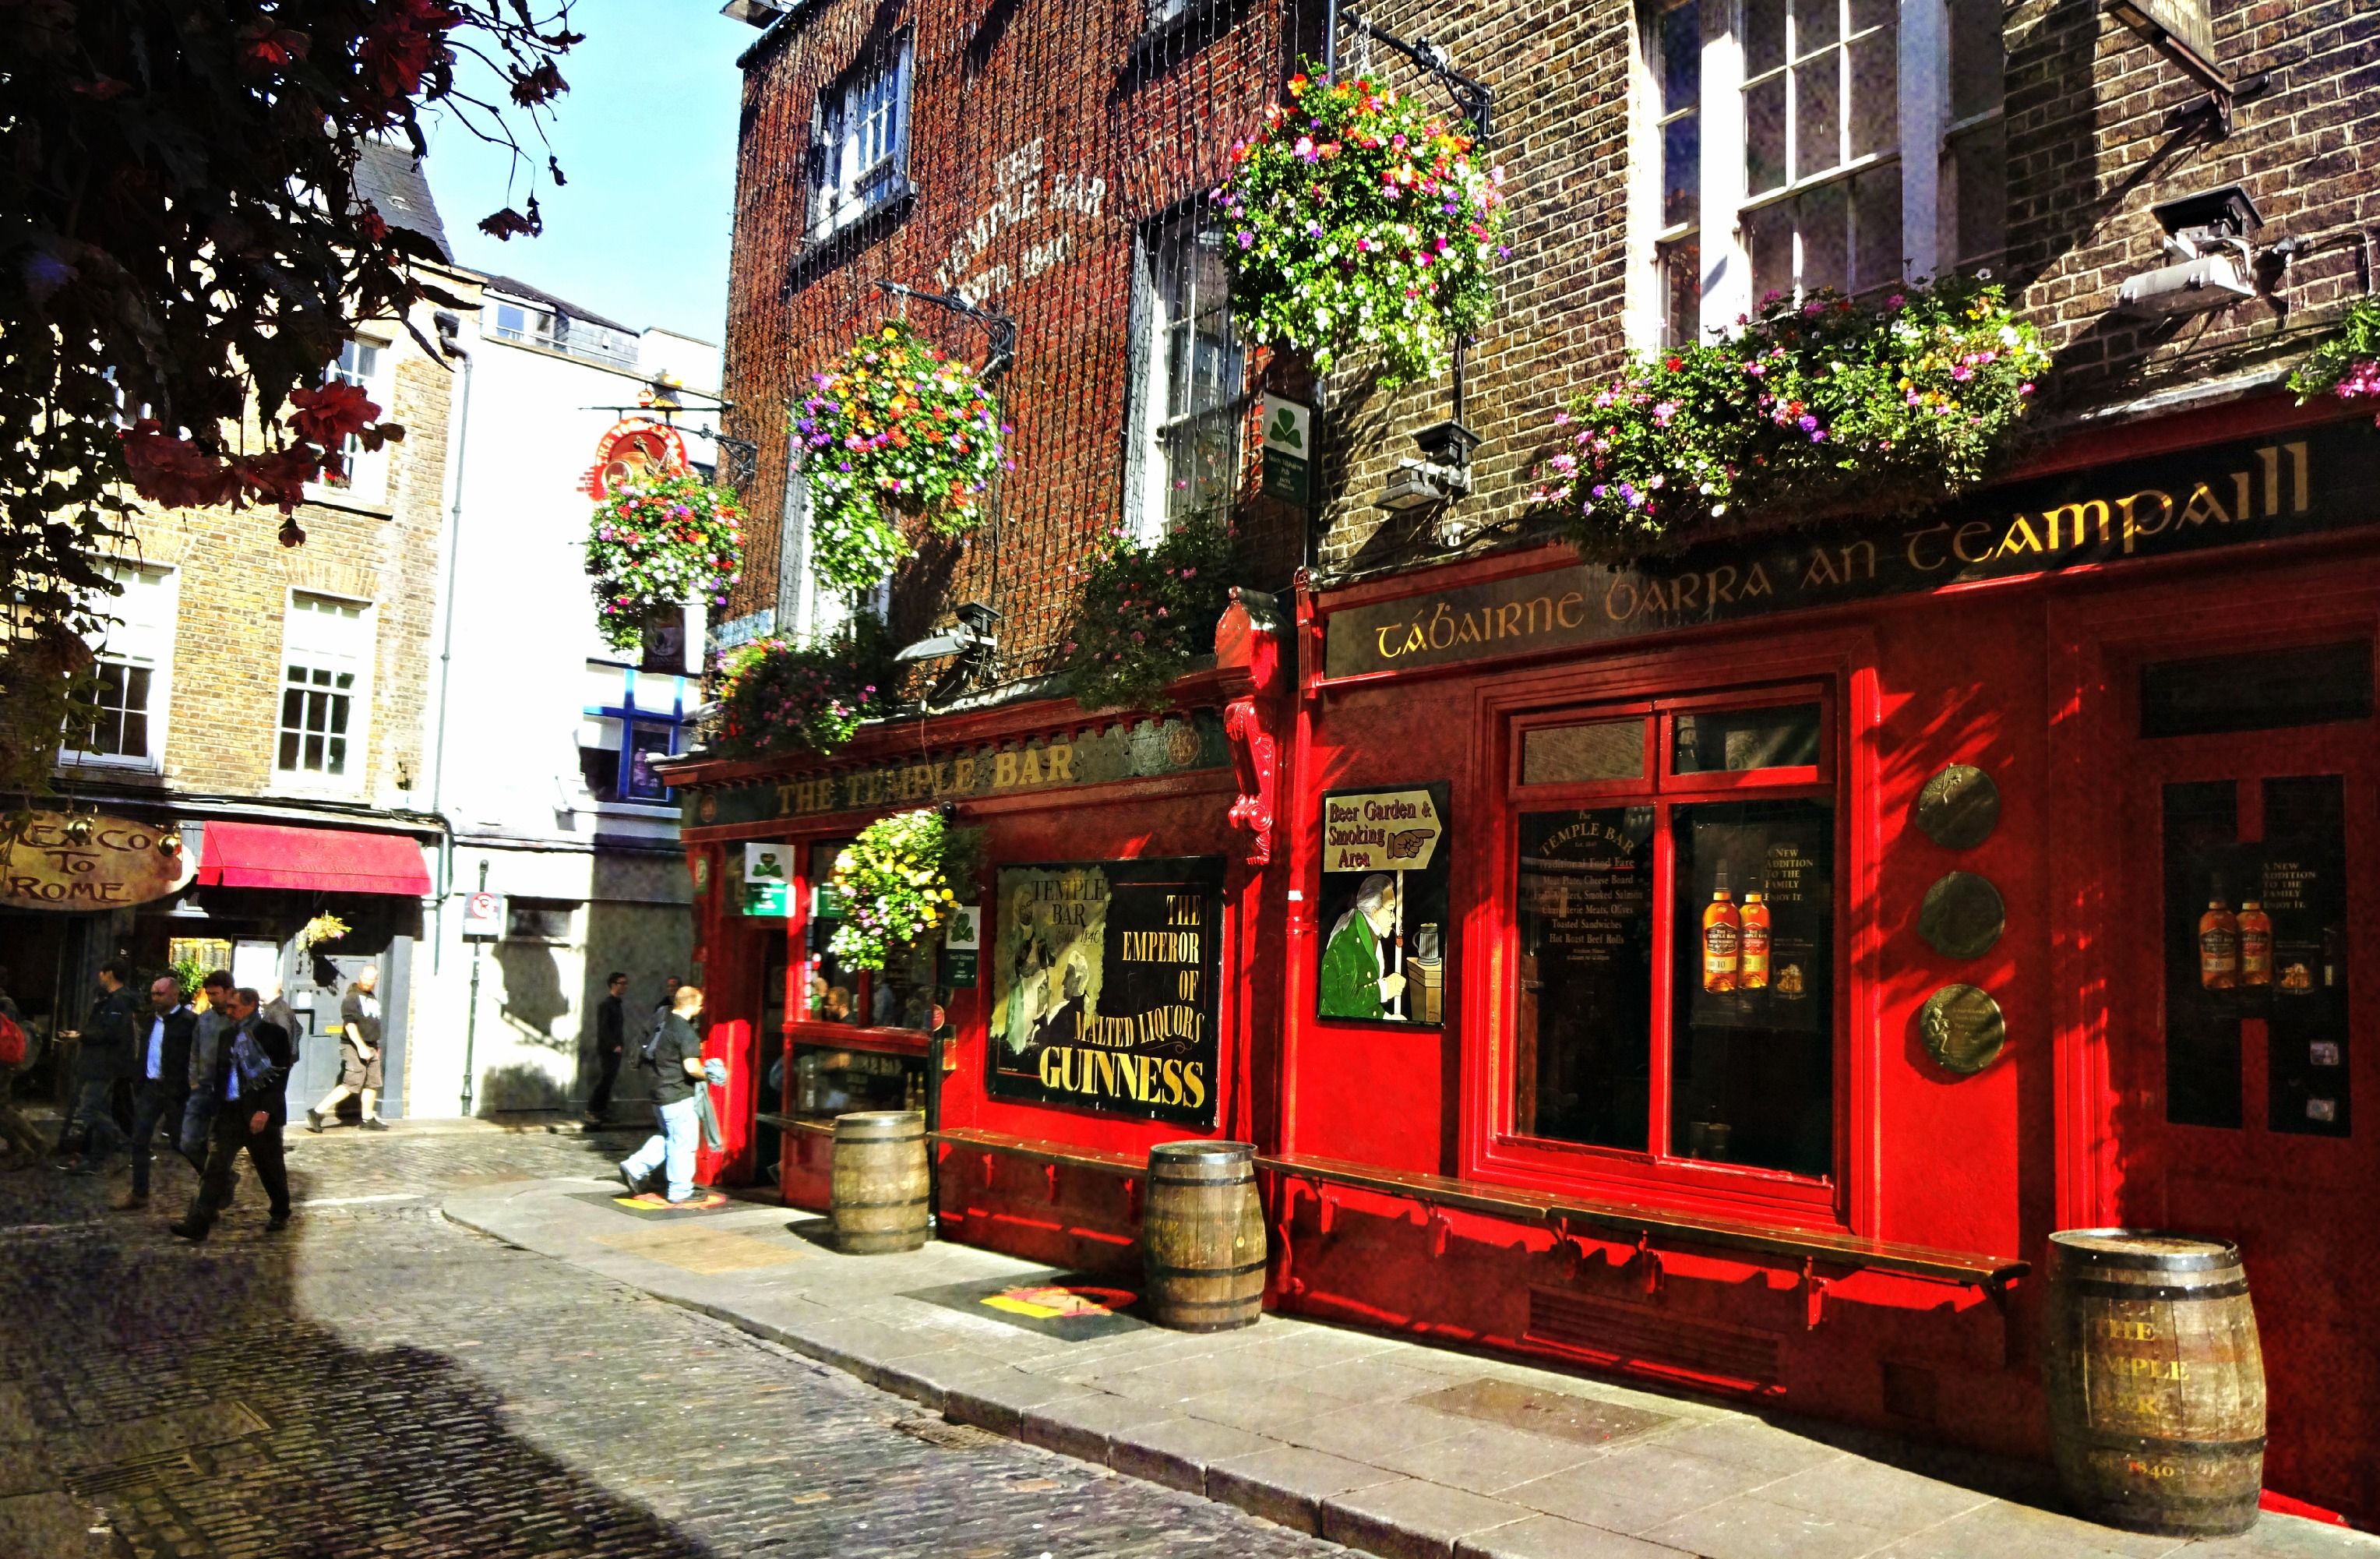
[261,855]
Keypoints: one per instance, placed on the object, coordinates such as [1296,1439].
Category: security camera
[2209,264]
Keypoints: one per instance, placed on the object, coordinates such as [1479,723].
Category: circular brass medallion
[1959,806]
[1963,916]
[1963,1028]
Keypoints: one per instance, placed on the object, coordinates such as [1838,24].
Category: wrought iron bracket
[1000,327]
[1474,99]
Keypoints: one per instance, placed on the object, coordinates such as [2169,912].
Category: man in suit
[164,1083]
[206,1051]
[610,1039]
[105,1059]
[249,1079]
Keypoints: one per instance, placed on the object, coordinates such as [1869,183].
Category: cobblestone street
[377,1380]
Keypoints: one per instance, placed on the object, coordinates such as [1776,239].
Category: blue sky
[647,138]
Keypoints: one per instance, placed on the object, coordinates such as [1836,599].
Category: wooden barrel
[1202,1236]
[2155,1384]
[878,1200]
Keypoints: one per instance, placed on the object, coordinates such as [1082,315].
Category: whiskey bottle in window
[1752,973]
[1722,938]
[2218,946]
[2256,944]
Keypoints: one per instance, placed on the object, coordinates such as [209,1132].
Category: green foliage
[1145,612]
[895,426]
[778,695]
[1808,407]
[189,972]
[1357,218]
[891,886]
[2348,363]
[659,541]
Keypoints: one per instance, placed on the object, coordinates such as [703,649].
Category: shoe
[374,1124]
[314,1122]
[194,1232]
[278,1222]
[632,1181]
[133,1202]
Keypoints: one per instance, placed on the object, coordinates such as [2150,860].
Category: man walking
[675,1057]
[359,1065]
[165,1085]
[206,1053]
[250,1073]
[106,1059]
[610,1039]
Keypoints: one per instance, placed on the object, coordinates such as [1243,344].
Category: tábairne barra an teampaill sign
[1103,986]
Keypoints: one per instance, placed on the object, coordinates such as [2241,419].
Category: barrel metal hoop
[1155,1268]
[2101,1440]
[2226,1254]
[2100,1288]
[856,1206]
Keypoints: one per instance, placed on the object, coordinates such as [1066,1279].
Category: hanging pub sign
[768,885]
[1103,987]
[91,862]
[636,446]
[1383,905]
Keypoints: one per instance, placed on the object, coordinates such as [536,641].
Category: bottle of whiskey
[2218,946]
[1752,973]
[1722,938]
[2256,944]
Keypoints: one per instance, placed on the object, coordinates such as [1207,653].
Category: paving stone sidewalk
[1370,1441]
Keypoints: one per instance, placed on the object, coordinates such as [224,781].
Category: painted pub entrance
[2238,1047]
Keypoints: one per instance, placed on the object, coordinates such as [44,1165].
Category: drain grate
[945,1436]
[174,1467]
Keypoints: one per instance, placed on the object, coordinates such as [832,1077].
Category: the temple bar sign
[2324,479]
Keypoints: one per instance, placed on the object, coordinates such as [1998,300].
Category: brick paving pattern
[378,1381]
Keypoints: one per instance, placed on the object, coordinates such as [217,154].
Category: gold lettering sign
[85,862]
[2324,479]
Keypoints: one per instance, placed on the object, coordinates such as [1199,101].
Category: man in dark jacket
[674,1055]
[164,1084]
[249,1079]
[105,1059]
[610,1039]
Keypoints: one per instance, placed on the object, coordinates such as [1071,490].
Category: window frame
[1150,431]
[837,199]
[1827,665]
[358,733]
[150,648]
[366,483]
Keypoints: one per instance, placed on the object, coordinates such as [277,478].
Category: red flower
[174,471]
[328,415]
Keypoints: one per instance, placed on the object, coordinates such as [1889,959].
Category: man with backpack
[24,1142]
[674,1055]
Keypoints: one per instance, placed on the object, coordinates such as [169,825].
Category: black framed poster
[1103,979]
[1382,908]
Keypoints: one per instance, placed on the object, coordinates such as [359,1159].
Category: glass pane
[288,759]
[134,740]
[1825,226]
[1681,56]
[339,712]
[1764,136]
[135,694]
[2300,977]
[1770,235]
[334,755]
[1682,170]
[314,759]
[1978,56]
[1764,36]
[1818,116]
[2204,868]
[1875,94]
[1582,1033]
[1607,749]
[2259,690]
[1752,1033]
[1681,293]
[1817,24]
[1734,740]
[1979,172]
[1875,208]
[293,710]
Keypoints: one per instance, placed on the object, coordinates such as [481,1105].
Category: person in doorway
[105,1060]
[247,1085]
[278,1011]
[611,1039]
[164,1084]
[23,1139]
[206,1043]
[1353,983]
[674,1055]
[359,1065]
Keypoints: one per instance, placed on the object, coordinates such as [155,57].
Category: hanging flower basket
[660,542]
[1144,613]
[1358,219]
[1808,408]
[777,695]
[894,427]
[891,883]
[2348,364]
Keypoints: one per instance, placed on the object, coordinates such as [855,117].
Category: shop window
[1187,372]
[2259,692]
[1731,1058]
[538,919]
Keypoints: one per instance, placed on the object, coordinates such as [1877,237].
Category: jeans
[196,1123]
[673,1146]
[160,1102]
[95,1108]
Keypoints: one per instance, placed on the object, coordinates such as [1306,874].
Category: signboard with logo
[484,916]
[1287,435]
[90,862]
[767,880]
[1383,905]
[963,947]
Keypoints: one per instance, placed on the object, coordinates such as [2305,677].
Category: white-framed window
[325,690]
[520,322]
[371,367]
[1790,145]
[1188,376]
[134,670]
[859,139]
[808,608]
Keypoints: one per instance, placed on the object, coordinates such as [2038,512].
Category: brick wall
[1035,151]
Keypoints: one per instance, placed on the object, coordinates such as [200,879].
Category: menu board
[1382,956]
[1584,1025]
[1103,987]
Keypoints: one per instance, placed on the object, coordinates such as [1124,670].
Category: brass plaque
[1963,916]
[1963,1028]
[1959,806]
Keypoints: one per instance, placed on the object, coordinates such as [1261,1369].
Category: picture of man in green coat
[1353,982]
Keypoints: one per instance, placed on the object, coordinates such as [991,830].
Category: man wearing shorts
[359,1063]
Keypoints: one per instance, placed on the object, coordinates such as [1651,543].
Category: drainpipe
[462,442]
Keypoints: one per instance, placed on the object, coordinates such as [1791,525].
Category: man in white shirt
[164,1085]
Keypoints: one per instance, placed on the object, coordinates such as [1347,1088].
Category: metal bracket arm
[1475,99]
[1000,327]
